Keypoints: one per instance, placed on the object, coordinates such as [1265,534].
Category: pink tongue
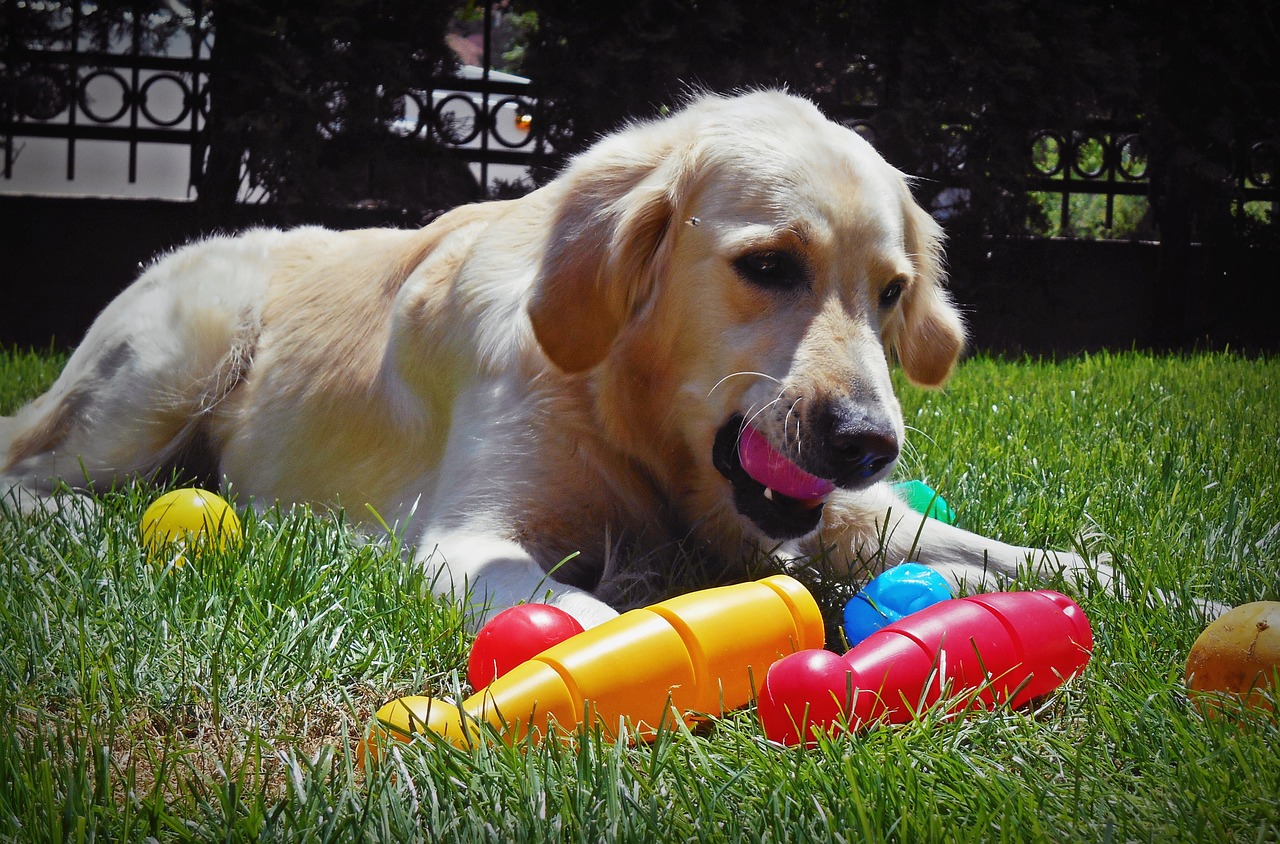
[763,463]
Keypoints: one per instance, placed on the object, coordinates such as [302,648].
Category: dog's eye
[891,293]
[779,270]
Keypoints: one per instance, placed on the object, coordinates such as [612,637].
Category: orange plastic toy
[694,654]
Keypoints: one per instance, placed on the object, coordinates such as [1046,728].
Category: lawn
[221,700]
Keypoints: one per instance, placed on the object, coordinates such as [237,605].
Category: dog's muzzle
[785,500]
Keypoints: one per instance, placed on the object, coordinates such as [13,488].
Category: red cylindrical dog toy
[980,651]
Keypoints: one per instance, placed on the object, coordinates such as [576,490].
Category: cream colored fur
[524,381]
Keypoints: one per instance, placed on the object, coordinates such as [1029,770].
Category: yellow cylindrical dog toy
[695,654]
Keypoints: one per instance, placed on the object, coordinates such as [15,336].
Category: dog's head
[735,279]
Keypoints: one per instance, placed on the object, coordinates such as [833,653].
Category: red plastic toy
[980,651]
[516,635]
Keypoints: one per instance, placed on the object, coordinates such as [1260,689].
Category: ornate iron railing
[1112,161]
[1105,162]
[133,96]
[107,97]
[139,94]
[130,95]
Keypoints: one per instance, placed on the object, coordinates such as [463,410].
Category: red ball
[804,694]
[514,636]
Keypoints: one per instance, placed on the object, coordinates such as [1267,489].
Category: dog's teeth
[768,493]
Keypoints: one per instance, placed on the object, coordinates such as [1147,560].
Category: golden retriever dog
[682,342]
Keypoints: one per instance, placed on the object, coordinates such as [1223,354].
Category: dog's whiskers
[753,414]
[736,374]
[790,411]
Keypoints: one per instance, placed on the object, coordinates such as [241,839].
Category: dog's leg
[134,397]
[493,574]
[971,562]
[967,560]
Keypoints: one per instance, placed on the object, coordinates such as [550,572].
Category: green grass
[221,700]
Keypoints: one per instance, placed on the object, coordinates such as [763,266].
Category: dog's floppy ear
[601,259]
[931,336]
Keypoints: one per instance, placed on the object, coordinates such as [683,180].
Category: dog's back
[264,355]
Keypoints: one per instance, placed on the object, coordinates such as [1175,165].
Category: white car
[497,125]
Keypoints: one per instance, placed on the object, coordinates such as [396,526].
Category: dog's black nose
[859,443]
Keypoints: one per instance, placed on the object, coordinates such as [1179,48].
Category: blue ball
[894,594]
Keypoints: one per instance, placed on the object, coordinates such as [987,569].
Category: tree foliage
[953,91]
[600,64]
[302,94]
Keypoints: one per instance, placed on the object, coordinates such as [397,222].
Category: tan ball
[1237,655]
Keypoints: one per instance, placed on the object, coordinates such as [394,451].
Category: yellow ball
[191,519]
[1238,655]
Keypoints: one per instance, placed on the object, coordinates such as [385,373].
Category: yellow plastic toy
[695,654]
[192,518]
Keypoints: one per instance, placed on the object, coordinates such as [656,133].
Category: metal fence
[1110,162]
[141,88]
[1095,179]
[130,90]
[1105,161]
